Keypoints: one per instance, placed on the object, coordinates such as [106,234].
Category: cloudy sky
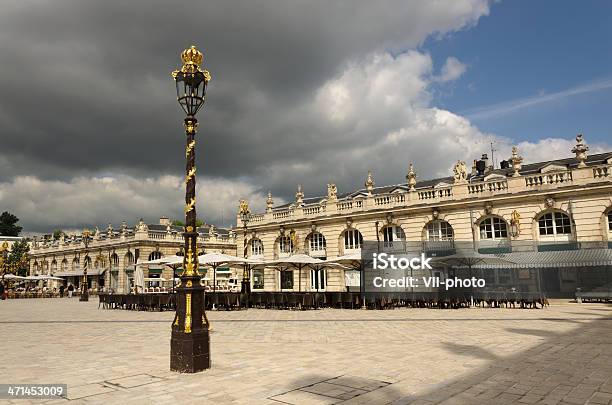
[306,92]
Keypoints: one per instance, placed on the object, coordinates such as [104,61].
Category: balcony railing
[490,186]
[548,178]
[435,193]
[602,171]
[317,209]
[281,214]
[389,199]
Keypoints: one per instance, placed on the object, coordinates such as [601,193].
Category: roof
[526,169]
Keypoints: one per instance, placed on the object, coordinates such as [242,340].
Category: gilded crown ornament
[244,207]
[192,59]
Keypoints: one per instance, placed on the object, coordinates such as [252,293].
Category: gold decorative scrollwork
[191,127]
[189,148]
[190,206]
[190,262]
[190,174]
[187,313]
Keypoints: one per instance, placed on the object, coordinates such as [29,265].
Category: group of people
[70,289]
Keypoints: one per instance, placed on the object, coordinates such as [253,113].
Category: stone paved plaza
[562,354]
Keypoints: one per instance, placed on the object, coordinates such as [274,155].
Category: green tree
[18,258]
[57,234]
[8,225]
[177,222]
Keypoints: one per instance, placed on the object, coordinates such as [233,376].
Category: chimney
[164,221]
[485,159]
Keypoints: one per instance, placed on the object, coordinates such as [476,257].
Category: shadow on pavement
[573,367]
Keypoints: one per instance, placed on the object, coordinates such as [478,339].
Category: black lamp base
[190,352]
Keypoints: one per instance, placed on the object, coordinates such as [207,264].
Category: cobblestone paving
[559,355]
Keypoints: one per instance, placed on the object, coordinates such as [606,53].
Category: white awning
[90,272]
[555,259]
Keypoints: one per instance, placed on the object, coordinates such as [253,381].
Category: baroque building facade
[554,206]
[112,253]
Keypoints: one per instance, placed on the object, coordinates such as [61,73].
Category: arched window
[493,228]
[114,260]
[75,264]
[65,265]
[35,267]
[316,243]
[610,221]
[53,267]
[393,234]
[256,247]
[553,224]
[285,245]
[438,231]
[352,240]
[155,255]
[129,258]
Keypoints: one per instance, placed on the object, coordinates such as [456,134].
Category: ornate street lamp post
[4,263]
[84,288]
[245,215]
[190,343]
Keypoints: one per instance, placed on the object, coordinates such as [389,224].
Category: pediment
[359,194]
[398,189]
[442,184]
[494,176]
[552,167]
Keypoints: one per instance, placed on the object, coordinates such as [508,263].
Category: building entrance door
[318,280]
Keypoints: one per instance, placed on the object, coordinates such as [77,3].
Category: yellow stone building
[561,205]
[111,254]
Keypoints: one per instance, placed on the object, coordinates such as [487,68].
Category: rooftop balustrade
[531,182]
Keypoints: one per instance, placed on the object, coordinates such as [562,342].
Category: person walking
[70,290]
[61,290]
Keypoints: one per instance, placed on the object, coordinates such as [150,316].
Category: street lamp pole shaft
[84,289]
[190,343]
[246,282]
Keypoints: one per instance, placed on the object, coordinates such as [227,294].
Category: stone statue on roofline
[580,150]
[269,202]
[460,172]
[369,183]
[411,178]
[515,161]
[299,196]
[332,192]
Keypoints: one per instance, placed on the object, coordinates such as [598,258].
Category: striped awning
[555,259]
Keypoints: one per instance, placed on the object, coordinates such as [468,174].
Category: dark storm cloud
[85,88]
